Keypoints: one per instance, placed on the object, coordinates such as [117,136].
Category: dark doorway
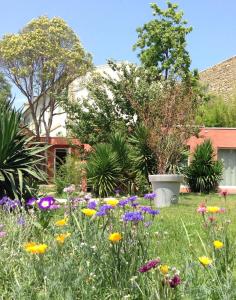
[60,157]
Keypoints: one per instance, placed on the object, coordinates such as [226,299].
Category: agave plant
[20,157]
[104,170]
[204,172]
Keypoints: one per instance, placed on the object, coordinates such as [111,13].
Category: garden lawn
[78,258]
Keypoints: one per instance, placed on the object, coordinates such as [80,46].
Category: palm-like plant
[204,172]
[20,158]
[103,170]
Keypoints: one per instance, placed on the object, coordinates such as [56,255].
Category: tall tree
[41,60]
[5,90]
[162,42]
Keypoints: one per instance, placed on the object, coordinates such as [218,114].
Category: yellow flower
[218,244]
[115,237]
[205,261]
[112,202]
[88,212]
[60,238]
[35,248]
[61,222]
[164,269]
[213,209]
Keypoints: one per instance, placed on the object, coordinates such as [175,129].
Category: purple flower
[92,205]
[132,198]
[145,209]
[133,216]
[70,189]
[87,197]
[21,221]
[106,207]
[46,202]
[134,204]
[176,280]
[147,224]
[11,204]
[154,212]
[149,265]
[101,213]
[2,234]
[3,200]
[31,201]
[124,202]
[54,206]
[150,196]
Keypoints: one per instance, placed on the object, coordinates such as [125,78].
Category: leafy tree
[217,112]
[162,42]
[105,109]
[41,60]
[166,109]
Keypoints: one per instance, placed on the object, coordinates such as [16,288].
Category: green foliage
[204,172]
[162,42]
[141,156]
[217,112]
[20,157]
[71,172]
[5,90]
[104,170]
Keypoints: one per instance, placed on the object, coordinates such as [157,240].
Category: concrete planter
[166,187]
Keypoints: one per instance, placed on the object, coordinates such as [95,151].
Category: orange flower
[60,238]
[61,222]
[115,237]
[35,248]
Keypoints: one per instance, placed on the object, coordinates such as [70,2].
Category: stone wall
[221,78]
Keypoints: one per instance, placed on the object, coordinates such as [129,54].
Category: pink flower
[202,208]
[224,193]
[2,234]
[70,189]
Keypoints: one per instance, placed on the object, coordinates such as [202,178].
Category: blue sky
[107,28]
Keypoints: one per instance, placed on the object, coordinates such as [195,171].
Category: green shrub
[71,172]
[20,158]
[204,172]
[104,170]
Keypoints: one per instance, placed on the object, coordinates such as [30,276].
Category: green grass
[87,266]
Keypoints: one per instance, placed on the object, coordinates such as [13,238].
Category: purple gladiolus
[149,265]
[150,196]
[133,216]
